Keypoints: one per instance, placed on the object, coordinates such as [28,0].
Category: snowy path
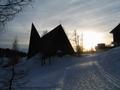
[89,76]
[84,74]
[69,73]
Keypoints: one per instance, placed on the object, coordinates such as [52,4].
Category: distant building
[52,43]
[103,47]
[116,36]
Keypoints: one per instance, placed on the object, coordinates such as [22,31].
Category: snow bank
[51,77]
[47,76]
[110,61]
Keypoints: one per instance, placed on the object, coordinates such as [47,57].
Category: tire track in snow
[108,76]
[86,76]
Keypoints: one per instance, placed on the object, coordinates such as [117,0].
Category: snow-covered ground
[98,72]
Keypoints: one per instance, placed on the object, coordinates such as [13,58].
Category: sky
[98,16]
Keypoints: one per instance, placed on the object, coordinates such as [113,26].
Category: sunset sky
[84,16]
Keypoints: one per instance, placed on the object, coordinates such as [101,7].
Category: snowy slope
[110,61]
[98,72]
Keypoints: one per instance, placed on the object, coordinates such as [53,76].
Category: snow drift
[110,61]
[68,70]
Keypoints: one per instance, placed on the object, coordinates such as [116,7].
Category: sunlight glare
[91,39]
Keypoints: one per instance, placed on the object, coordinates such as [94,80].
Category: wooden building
[34,42]
[116,35]
[52,43]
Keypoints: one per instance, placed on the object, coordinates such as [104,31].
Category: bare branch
[9,8]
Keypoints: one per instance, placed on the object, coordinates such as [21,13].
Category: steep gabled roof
[117,28]
[58,40]
[52,42]
[34,42]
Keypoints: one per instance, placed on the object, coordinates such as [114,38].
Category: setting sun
[91,39]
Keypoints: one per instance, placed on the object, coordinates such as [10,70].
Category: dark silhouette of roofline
[50,44]
[116,28]
[55,31]
[34,42]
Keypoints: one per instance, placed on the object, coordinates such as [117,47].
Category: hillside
[98,72]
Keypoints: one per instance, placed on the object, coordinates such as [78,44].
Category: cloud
[99,15]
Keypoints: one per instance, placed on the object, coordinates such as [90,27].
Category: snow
[97,72]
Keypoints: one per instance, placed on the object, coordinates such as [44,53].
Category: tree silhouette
[9,8]
[13,62]
[76,40]
[15,44]
[44,32]
[79,50]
